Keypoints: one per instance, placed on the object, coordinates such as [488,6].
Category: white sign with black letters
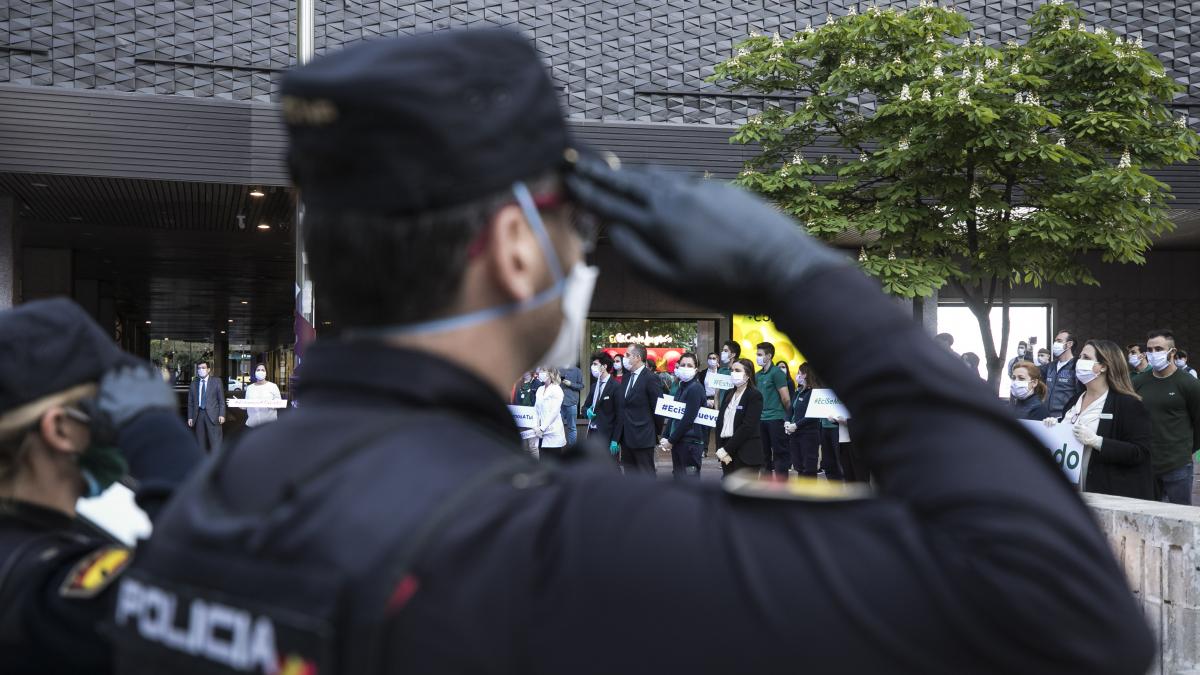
[524,415]
[824,404]
[1059,439]
[667,406]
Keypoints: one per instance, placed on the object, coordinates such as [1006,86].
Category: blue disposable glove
[614,448]
[591,413]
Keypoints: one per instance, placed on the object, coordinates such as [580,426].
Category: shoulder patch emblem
[746,483]
[95,571]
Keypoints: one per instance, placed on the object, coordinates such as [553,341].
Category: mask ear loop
[525,201]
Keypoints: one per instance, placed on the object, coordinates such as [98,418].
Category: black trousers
[829,454]
[208,433]
[774,441]
[638,459]
[686,459]
[805,446]
[854,465]
[736,464]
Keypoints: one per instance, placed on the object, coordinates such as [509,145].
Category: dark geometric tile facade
[614,59]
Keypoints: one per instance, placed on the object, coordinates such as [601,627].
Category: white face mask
[1020,390]
[1020,351]
[543,377]
[725,357]
[625,363]
[1084,372]
[619,364]
[739,378]
[1180,363]
[685,373]
[596,370]
[1058,348]
[260,375]
[1134,361]
[762,362]
[712,363]
[1158,360]
[574,292]
[801,381]
[1043,360]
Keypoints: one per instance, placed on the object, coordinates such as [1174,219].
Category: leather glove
[613,447]
[655,218]
[591,413]
[1050,421]
[1087,437]
[128,391]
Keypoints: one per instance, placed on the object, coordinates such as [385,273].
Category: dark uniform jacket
[951,569]
[691,395]
[1062,386]
[1032,408]
[746,442]
[799,408]
[604,423]
[637,425]
[57,572]
[1122,465]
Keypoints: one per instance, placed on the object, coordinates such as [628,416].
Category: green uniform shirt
[1174,405]
[769,380]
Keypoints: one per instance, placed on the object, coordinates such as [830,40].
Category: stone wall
[1158,546]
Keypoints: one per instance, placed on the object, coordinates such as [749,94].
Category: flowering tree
[960,162]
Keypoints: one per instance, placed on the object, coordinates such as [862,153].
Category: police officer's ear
[513,255]
[61,433]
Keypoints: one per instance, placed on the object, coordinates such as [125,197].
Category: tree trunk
[996,368]
[919,310]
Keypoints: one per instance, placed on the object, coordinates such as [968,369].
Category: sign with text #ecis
[523,415]
[1059,439]
[669,407]
[824,403]
[718,381]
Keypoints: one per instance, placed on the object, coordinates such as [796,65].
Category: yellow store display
[751,329]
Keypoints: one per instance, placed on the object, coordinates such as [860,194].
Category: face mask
[1020,390]
[1043,360]
[595,370]
[543,377]
[203,372]
[712,363]
[1058,348]
[625,363]
[1158,360]
[1084,372]
[762,362]
[1134,360]
[1020,351]
[260,375]
[738,379]
[1180,363]
[685,373]
[574,291]
[724,357]
[801,381]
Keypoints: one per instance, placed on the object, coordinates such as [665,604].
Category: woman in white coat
[548,408]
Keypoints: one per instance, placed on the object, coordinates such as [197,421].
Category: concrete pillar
[46,273]
[10,250]
[87,293]
[220,364]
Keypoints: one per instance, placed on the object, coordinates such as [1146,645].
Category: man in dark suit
[602,402]
[637,428]
[206,408]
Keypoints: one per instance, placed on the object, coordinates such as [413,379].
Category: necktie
[632,379]
[599,390]
[202,387]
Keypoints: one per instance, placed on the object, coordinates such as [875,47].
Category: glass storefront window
[665,339]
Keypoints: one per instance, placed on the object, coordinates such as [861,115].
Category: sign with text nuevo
[667,406]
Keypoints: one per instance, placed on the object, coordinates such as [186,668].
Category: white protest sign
[524,415]
[669,407]
[243,403]
[824,403]
[1060,440]
[718,381]
[528,434]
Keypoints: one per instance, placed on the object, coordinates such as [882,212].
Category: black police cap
[48,347]
[417,123]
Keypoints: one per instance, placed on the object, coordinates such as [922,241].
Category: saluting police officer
[76,414]
[394,524]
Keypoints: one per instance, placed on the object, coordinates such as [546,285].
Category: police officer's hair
[637,350]
[734,348]
[371,269]
[766,347]
[1163,333]
[606,360]
[13,451]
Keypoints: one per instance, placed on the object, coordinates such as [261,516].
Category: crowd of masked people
[1136,411]
[761,414]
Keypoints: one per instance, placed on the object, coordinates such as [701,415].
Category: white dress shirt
[731,412]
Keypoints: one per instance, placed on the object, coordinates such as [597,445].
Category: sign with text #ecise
[718,381]
[1059,439]
[667,406]
[524,415]
[824,403]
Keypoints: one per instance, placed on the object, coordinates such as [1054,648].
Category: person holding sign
[739,431]
[261,390]
[803,432]
[684,438]
[1027,392]
[1112,424]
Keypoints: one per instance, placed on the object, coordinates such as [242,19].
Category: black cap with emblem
[410,124]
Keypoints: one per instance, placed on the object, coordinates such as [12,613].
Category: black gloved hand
[128,391]
[665,224]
